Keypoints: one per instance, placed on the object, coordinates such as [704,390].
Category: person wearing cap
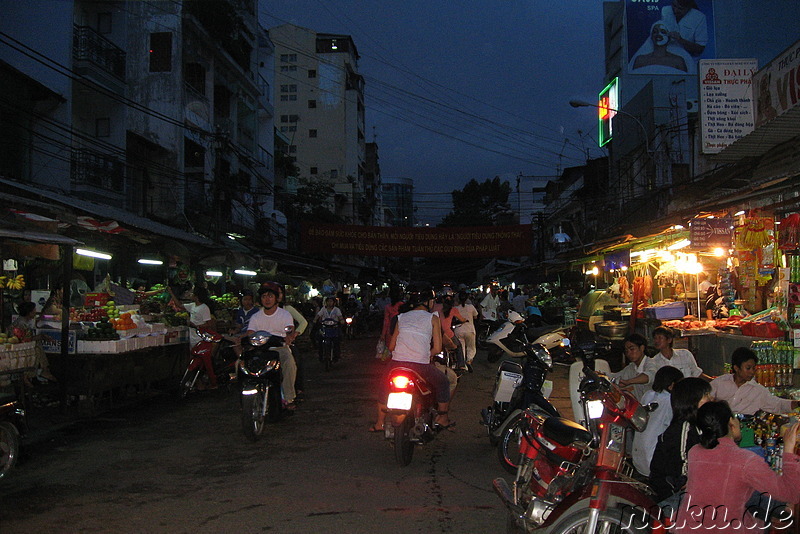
[277,322]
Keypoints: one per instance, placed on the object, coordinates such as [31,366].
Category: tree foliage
[479,204]
[310,202]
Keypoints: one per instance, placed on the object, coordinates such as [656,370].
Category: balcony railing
[97,170]
[88,45]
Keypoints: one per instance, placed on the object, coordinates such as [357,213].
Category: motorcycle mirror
[651,407]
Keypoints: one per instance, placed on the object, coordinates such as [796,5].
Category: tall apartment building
[160,109]
[398,201]
[319,106]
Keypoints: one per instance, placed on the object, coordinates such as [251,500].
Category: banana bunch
[13,282]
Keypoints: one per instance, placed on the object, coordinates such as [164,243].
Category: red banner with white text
[451,242]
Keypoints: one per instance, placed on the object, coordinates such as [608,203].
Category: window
[288,58]
[284,98]
[292,128]
[284,88]
[312,73]
[195,76]
[312,104]
[284,128]
[289,118]
[312,170]
[312,133]
[288,88]
[334,174]
[290,68]
[292,98]
[161,52]
[102,127]
[104,23]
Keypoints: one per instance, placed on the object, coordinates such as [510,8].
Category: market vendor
[742,392]
[681,359]
[638,374]
[24,327]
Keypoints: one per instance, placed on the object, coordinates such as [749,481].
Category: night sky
[469,90]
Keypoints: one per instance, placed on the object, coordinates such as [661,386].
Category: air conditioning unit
[692,105]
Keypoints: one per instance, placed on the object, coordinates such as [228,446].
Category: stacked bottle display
[775,363]
[794,268]
[726,288]
[767,434]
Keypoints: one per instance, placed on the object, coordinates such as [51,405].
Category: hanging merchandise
[754,233]
[789,236]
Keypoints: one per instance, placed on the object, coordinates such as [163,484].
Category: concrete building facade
[319,106]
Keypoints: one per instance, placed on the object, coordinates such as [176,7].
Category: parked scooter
[223,362]
[573,479]
[13,425]
[506,340]
[518,386]
[261,383]
[411,411]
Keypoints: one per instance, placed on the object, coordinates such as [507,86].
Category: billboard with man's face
[668,36]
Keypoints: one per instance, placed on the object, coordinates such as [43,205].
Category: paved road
[170,467]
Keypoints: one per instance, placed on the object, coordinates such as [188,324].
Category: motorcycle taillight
[401,382]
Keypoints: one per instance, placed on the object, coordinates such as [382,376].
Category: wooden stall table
[117,369]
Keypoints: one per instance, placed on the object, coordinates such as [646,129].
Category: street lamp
[583,104]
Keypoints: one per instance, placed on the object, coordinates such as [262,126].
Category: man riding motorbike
[275,321]
[415,338]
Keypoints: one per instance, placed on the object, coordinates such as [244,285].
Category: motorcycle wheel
[252,420]
[495,353]
[508,445]
[9,448]
[403,448]
[188,382]
[609,522]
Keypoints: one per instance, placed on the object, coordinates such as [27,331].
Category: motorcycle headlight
[595,409]
[259,338]
[349,320]
[543,354]
[640,418]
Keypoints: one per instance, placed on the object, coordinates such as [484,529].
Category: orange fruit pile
[124,322]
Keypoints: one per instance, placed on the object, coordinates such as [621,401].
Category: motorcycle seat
[565,432]
[422,386]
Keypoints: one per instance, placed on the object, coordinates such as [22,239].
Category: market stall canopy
[108,217]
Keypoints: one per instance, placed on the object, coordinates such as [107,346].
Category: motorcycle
[411,411]
[505,340]
[329,337]
[13,425]
[223,362]
[484,329]
[518,386]
[262,400]
[350,326]
[573,479]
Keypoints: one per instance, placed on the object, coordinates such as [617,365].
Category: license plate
[399,401]
[506,385]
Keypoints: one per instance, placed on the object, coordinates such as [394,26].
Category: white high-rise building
[319,106]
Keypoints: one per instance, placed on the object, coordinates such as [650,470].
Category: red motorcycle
[223,362]
[575,480]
